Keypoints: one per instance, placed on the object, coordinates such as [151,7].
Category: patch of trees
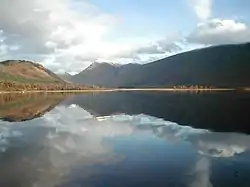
[192,87]
[14,86]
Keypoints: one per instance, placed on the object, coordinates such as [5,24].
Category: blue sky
[151,17]
[68,35]
[156,17]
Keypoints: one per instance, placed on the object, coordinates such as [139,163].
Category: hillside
[219,66]
[104,74]
[26,72]
[19,75]
[65,76]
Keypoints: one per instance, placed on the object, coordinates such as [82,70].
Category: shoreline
[123,90]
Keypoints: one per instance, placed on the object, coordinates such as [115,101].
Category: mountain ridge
[216,66]
[107,73]
[225,66]
[95,64]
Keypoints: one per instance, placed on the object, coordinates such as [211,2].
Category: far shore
[124,90]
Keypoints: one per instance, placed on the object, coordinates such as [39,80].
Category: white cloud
[218,31]
[4,48]
[167,44]
[66,34]
[45,28]
[202,8]
[40,22]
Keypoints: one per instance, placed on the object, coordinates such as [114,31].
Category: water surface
[124,139]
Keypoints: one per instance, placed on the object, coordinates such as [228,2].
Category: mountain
[218,66]
[20,75]
[22,71]
[65,76]
[104,74]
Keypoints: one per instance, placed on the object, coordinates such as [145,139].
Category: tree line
[192,87]
[15,86]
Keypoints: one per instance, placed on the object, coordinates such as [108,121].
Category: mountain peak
[93,65]
[99,63]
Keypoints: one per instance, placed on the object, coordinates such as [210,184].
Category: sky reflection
[50,148]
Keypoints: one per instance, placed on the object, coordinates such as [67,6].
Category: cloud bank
[218,31]
[65,34]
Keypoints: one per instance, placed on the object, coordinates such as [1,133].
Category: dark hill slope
[219,66]
[104,74]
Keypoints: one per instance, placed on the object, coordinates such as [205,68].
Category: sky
[68,35]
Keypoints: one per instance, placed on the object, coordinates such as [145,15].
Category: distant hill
[65,76]
[218,66]
[104,74]
[20,75]
[26,72]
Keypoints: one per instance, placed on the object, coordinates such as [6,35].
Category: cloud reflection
[201,173]
[213,144]
[49,148]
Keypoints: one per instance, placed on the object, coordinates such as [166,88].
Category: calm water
[125,140]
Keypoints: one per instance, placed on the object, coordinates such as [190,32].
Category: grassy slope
[9,77]
[26,72]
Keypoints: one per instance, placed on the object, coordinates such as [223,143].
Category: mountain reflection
[224,112]
[22,107]
[63,144]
